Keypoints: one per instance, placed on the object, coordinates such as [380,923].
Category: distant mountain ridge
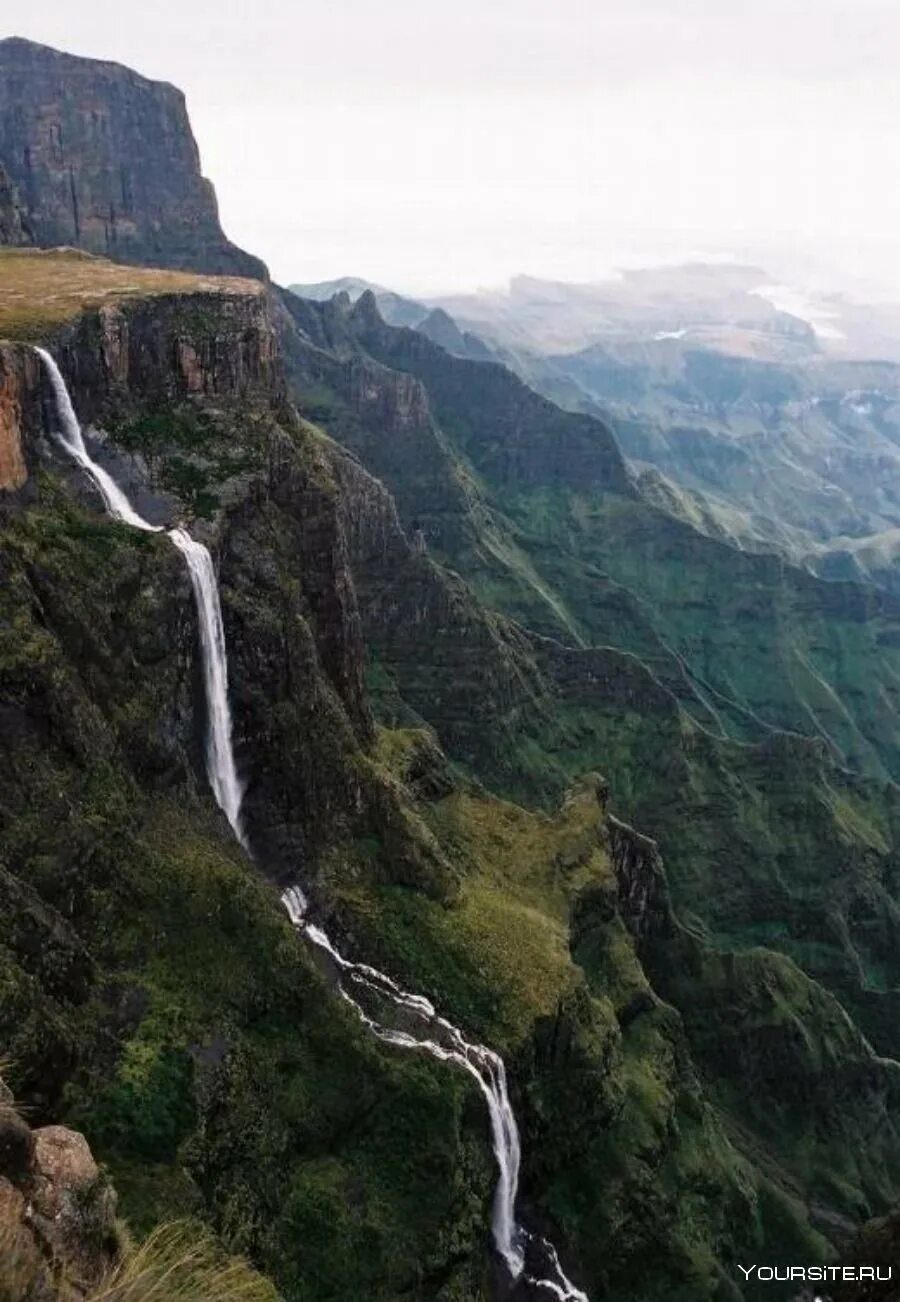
[711,386]
[397,310]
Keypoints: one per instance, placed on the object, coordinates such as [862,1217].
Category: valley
[440,856]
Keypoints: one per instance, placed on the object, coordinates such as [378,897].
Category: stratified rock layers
[105,160]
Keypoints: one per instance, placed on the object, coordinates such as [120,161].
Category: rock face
[12,224]
[58,1234]
[105,160]
[14,366]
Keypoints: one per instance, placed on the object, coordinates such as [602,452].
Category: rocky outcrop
[641,886]
[105,160]
[58,1234]
[171,347]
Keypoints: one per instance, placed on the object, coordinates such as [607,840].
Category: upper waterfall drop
[220,765]
[115,501]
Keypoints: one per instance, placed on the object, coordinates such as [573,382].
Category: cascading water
[441,1039]
[446,1042]
[220,766]
[70,436]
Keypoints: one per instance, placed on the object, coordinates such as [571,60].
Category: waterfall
[220,766]
[220,763]
[70,436]
[444,1041]
[441,1039]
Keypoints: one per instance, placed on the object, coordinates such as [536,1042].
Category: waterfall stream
[220,766]
[440,1038]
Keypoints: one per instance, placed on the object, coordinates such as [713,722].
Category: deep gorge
[615,799]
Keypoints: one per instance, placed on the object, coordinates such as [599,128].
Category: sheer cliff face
[13,229]
[105,160]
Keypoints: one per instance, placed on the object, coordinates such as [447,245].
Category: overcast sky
[445,144]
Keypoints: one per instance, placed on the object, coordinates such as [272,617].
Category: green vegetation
[150,976]
[678,1089]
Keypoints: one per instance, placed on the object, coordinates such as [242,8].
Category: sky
[433,146]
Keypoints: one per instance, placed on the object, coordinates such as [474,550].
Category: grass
[499,957]
[181,1262]
[41,290]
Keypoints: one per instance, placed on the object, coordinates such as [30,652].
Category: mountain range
[600,762]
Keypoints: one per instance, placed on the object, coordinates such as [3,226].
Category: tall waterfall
[220,766]
[440,1038]
[70,436]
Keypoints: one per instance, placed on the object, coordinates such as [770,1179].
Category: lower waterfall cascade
[516,1246]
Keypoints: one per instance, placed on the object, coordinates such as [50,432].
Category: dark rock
[13,227]
[105,160]
[16,1145]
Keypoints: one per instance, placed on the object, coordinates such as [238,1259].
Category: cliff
[13,228]
[445,602]
[105,160]
[159,1000]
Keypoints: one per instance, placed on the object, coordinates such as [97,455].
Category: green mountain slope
[744,711]
[154,992]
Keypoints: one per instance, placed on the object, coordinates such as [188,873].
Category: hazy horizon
[437,152]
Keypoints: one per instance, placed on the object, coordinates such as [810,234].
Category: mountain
[761,427]
[800,453]
[434,322]
[396,308]
[104,160]
[706,302]
[543,769]
[157,995]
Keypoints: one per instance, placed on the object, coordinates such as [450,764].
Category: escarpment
[414,752]
[13,228]
[19,409]
[104,160]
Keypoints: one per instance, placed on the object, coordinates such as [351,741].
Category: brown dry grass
[182,1263]
[41,289]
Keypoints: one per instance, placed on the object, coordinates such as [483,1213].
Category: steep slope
[801,452]
[157,996]
[222,1095]
[770,838]
[560,484]
[104,160]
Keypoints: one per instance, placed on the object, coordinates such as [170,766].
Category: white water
[220,766]
[220,763]
[447,1043]
[444,1041]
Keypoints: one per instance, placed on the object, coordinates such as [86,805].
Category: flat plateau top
[41,289]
